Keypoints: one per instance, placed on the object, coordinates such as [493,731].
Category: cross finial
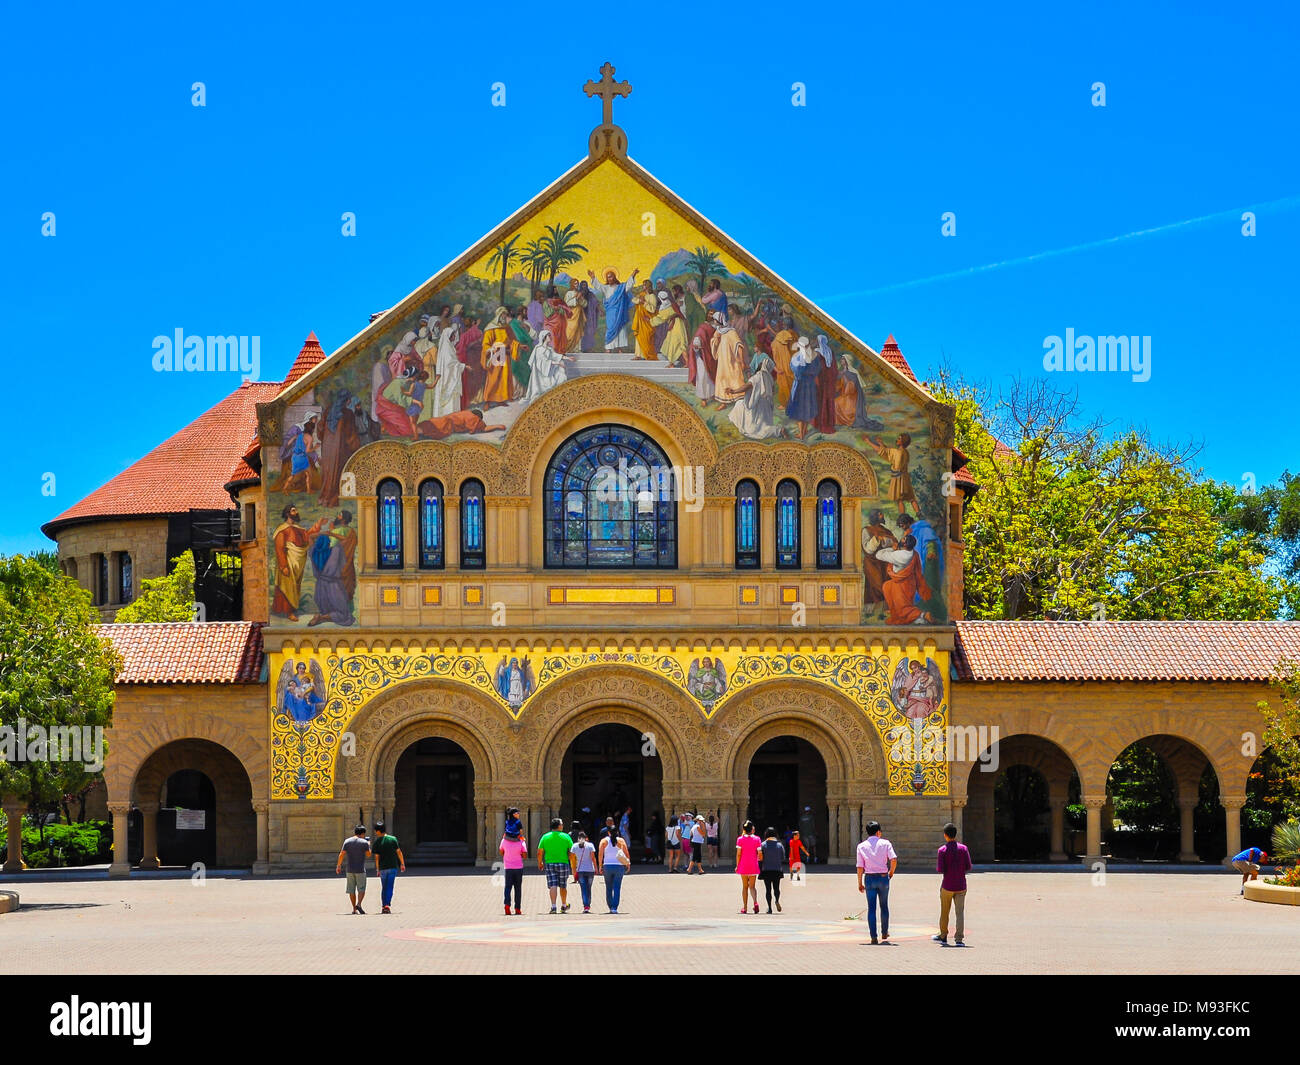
[607,137]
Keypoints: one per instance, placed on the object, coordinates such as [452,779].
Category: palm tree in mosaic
[562,248]
[504,256]
[534,259]
[704,263]
[755,290]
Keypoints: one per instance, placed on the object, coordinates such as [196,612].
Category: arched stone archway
[976,780]
[839,731]
[430,709]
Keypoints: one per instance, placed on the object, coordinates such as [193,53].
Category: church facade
[606,514]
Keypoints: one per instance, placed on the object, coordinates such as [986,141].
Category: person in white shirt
[698,838]
[673,834]
[876,864]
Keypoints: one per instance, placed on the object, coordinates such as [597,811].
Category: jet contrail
[1283,204]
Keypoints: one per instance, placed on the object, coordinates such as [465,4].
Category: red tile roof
[892,355]
[185,472]
[1123,650]
[311,355]
[182,652]
[962,476]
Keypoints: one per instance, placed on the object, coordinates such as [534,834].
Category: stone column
[1232,812]
[958,809]
[14,808]
[121,814]
[262,809]
[1186,825]
[1058,830]
[1095,804]
[149,818]
[835,851]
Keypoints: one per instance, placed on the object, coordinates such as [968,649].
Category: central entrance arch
[606,769]
[433,798]
[787,790]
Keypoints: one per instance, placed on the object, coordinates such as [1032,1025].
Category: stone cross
[607,88]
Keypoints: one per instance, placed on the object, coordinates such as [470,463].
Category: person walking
[513,850]
[773,860]
[747,848]
[876,864]
[684,824]
[582,859]
[797,851]
[388,860]
[553,860]
[673,835]
[1247,864]
[808,833]
[711,828]
[355,851]
[954,863]
[613,861]
[625,828]
[698,838]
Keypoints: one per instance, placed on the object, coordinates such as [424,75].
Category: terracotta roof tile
[1123,650]
[185,472]
[180,652]
[311,355]
[892,355]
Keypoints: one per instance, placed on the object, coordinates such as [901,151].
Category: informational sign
[191,820]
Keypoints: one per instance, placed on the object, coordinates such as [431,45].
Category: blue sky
[226,218]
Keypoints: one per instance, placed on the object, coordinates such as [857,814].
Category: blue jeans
[584,884]
[514,882]
[613,886]
[877,885]
[387,877]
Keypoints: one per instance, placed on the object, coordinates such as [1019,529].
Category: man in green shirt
[388,860]
[553,860]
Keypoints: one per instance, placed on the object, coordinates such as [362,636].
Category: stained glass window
[787,525]
[828,525]
[472,535]
[611,502]
[390,525]
[124,580]
[431,552]
[747,548]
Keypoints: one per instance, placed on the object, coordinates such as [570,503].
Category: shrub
[87,843]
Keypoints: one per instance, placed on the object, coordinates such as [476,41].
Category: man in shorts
[553,860]
[354,852]
[1247,864]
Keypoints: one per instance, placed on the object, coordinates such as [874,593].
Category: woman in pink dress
[747,848]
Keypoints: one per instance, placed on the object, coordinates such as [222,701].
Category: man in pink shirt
[876,864]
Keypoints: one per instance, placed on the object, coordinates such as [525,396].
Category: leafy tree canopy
[169,598]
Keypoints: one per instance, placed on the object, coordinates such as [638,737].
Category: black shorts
[770,875]
[674,846]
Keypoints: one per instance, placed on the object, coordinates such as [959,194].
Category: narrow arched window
[390,524]
[431,527]
[787,525]
[125,589]
[747,543]
[472,522]
[828,525]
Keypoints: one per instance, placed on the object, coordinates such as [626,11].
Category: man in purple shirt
[954,863]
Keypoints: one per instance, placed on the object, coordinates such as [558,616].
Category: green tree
[504,256]
[169,598]
[55,670]
[534,259]
[1282,743]
[704,262]
[1074,522]
[562,248]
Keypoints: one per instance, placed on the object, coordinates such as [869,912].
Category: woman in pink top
[513,847]
[747,848]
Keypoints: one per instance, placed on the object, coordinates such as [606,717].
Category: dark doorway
[435,804]
[189,797]
[787,791]
[1021,816]
[604,772]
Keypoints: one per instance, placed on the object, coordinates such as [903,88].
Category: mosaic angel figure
[707,679]
[300,692]
[514,680]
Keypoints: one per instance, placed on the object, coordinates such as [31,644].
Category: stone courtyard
[1017,922]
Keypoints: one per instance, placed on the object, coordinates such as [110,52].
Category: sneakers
[518,912]
[553,910]
[566,907]
[387,909]
[361,911]
[507,909]
[959,943]
[940,939]
[875,942]
[586,909]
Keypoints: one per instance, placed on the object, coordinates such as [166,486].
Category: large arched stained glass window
[828,525]
[611,502]
[431,549]
[787,525]
[747,544]
[390,524]
[473,535]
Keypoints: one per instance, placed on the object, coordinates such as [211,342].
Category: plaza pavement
[445,921]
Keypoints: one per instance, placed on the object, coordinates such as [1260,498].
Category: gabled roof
[182,652]
[898,369]
[1123,650]
[187,471]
